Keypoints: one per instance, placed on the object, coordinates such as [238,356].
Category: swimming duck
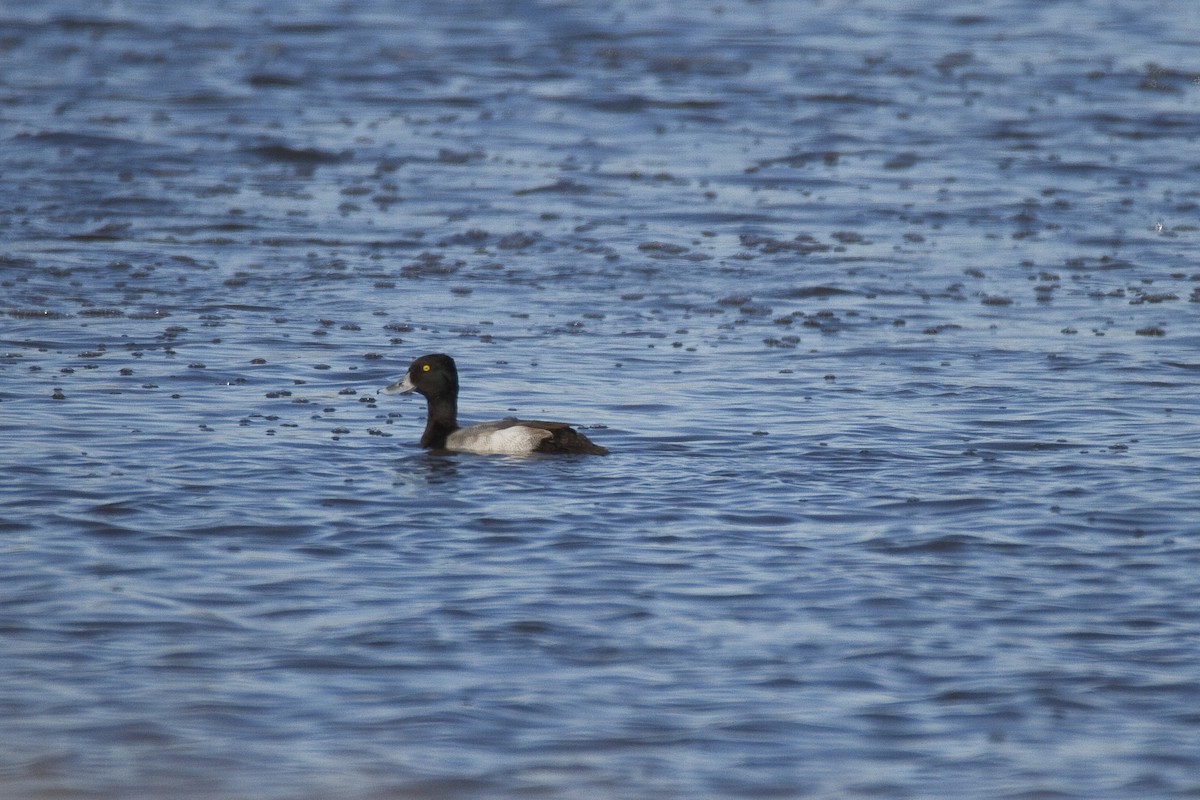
[436,377]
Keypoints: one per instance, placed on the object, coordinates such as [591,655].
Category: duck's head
[433,375]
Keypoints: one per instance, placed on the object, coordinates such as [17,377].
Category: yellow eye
[424,368]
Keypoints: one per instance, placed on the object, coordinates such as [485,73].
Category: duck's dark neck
[442,421]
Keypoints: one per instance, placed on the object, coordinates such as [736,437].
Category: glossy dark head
[434,376]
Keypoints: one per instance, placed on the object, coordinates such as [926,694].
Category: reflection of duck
[436,377]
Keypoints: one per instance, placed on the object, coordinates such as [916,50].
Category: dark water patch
[274,81]
[302,156]
[36,313]
[846,99]
[632,104]
[949,544]
[70,139]
[563,186]
[1160,125]
[758,520]
[1023,446]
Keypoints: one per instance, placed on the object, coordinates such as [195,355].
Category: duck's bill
[402,386]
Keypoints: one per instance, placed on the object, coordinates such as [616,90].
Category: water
[886,311]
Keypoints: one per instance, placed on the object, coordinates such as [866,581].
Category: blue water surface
[887,312]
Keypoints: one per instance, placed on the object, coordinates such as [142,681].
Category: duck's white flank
[497,438]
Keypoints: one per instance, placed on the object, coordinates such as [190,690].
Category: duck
[435,376]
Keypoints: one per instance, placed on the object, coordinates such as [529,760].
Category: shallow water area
[887,313]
